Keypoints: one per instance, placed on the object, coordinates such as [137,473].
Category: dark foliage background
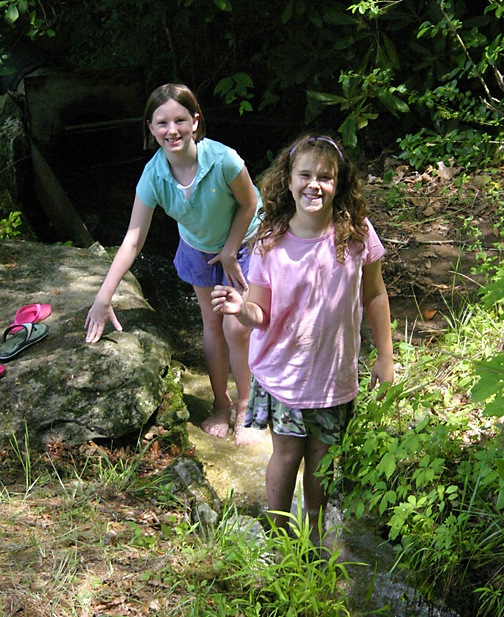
[423,79]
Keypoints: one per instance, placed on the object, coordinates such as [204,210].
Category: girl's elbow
[264,323]
[261,318]
[373,296]
[368,301]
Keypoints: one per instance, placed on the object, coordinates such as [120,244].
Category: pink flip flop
[31,313]
[2,370]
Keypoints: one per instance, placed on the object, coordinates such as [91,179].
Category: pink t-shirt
[308,355]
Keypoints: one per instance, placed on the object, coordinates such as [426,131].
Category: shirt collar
[205,162]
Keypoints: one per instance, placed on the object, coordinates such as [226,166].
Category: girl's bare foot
[245,436]
[217,424]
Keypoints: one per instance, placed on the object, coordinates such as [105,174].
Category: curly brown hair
[278,207]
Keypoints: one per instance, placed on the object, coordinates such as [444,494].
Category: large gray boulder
[61,388]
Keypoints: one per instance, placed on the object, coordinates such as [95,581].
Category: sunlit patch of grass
[100,536]
[67,540]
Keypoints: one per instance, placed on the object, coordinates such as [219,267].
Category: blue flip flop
[14,343]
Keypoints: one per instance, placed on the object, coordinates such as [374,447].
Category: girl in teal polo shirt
[205,186]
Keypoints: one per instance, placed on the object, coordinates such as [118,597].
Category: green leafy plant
[359,99]
[10,226]
[31,12]
[465,127]
[428,460]
[238,569]
[236,88]
[493,292]
[466,147]
[439,57]
[489,388]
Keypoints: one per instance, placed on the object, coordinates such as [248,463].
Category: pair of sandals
[24,331]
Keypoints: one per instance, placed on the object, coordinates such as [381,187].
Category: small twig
[413,241]
[462,275]
[392,241]
[438,242]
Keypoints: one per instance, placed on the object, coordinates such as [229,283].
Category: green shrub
[428,461]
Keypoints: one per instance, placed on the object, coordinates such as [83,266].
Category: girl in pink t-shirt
[316,264]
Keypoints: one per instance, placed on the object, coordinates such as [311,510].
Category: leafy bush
[428,460]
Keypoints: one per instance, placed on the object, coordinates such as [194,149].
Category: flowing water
[239,471]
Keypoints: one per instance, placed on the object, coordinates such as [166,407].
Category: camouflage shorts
[326,424]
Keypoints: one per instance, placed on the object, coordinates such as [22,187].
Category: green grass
[88,531]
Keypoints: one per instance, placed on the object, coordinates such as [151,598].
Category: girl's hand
[226,300]
[97,318]
[232,270]
[382,371]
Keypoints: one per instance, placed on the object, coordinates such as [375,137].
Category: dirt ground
[434,226]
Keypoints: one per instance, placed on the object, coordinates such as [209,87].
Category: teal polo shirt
[203,221]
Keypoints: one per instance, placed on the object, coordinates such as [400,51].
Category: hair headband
[329,141]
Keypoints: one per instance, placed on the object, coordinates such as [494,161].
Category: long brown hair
[183,95]
[349,205]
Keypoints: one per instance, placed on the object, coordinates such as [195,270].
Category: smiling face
[173,127]
[313,185]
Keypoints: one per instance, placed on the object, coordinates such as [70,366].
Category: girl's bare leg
[281,474]
[237,337]
[315,497]
[216,353]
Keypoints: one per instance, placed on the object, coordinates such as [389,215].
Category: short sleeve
[257,271]
[145,190]
[232,164]
[374,248]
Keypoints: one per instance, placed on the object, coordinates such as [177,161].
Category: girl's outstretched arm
[246,197]
[102,311]
[251,309]
[376,303]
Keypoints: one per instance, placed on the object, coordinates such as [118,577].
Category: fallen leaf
[429,211]
[447,173]
[428,314]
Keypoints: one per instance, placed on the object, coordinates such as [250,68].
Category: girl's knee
[212,323]
[213,329]
[237,335]
[288,457]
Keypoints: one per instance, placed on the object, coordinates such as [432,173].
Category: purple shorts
[192,266]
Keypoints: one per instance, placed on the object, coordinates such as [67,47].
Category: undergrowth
[90,531]
[428,461]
